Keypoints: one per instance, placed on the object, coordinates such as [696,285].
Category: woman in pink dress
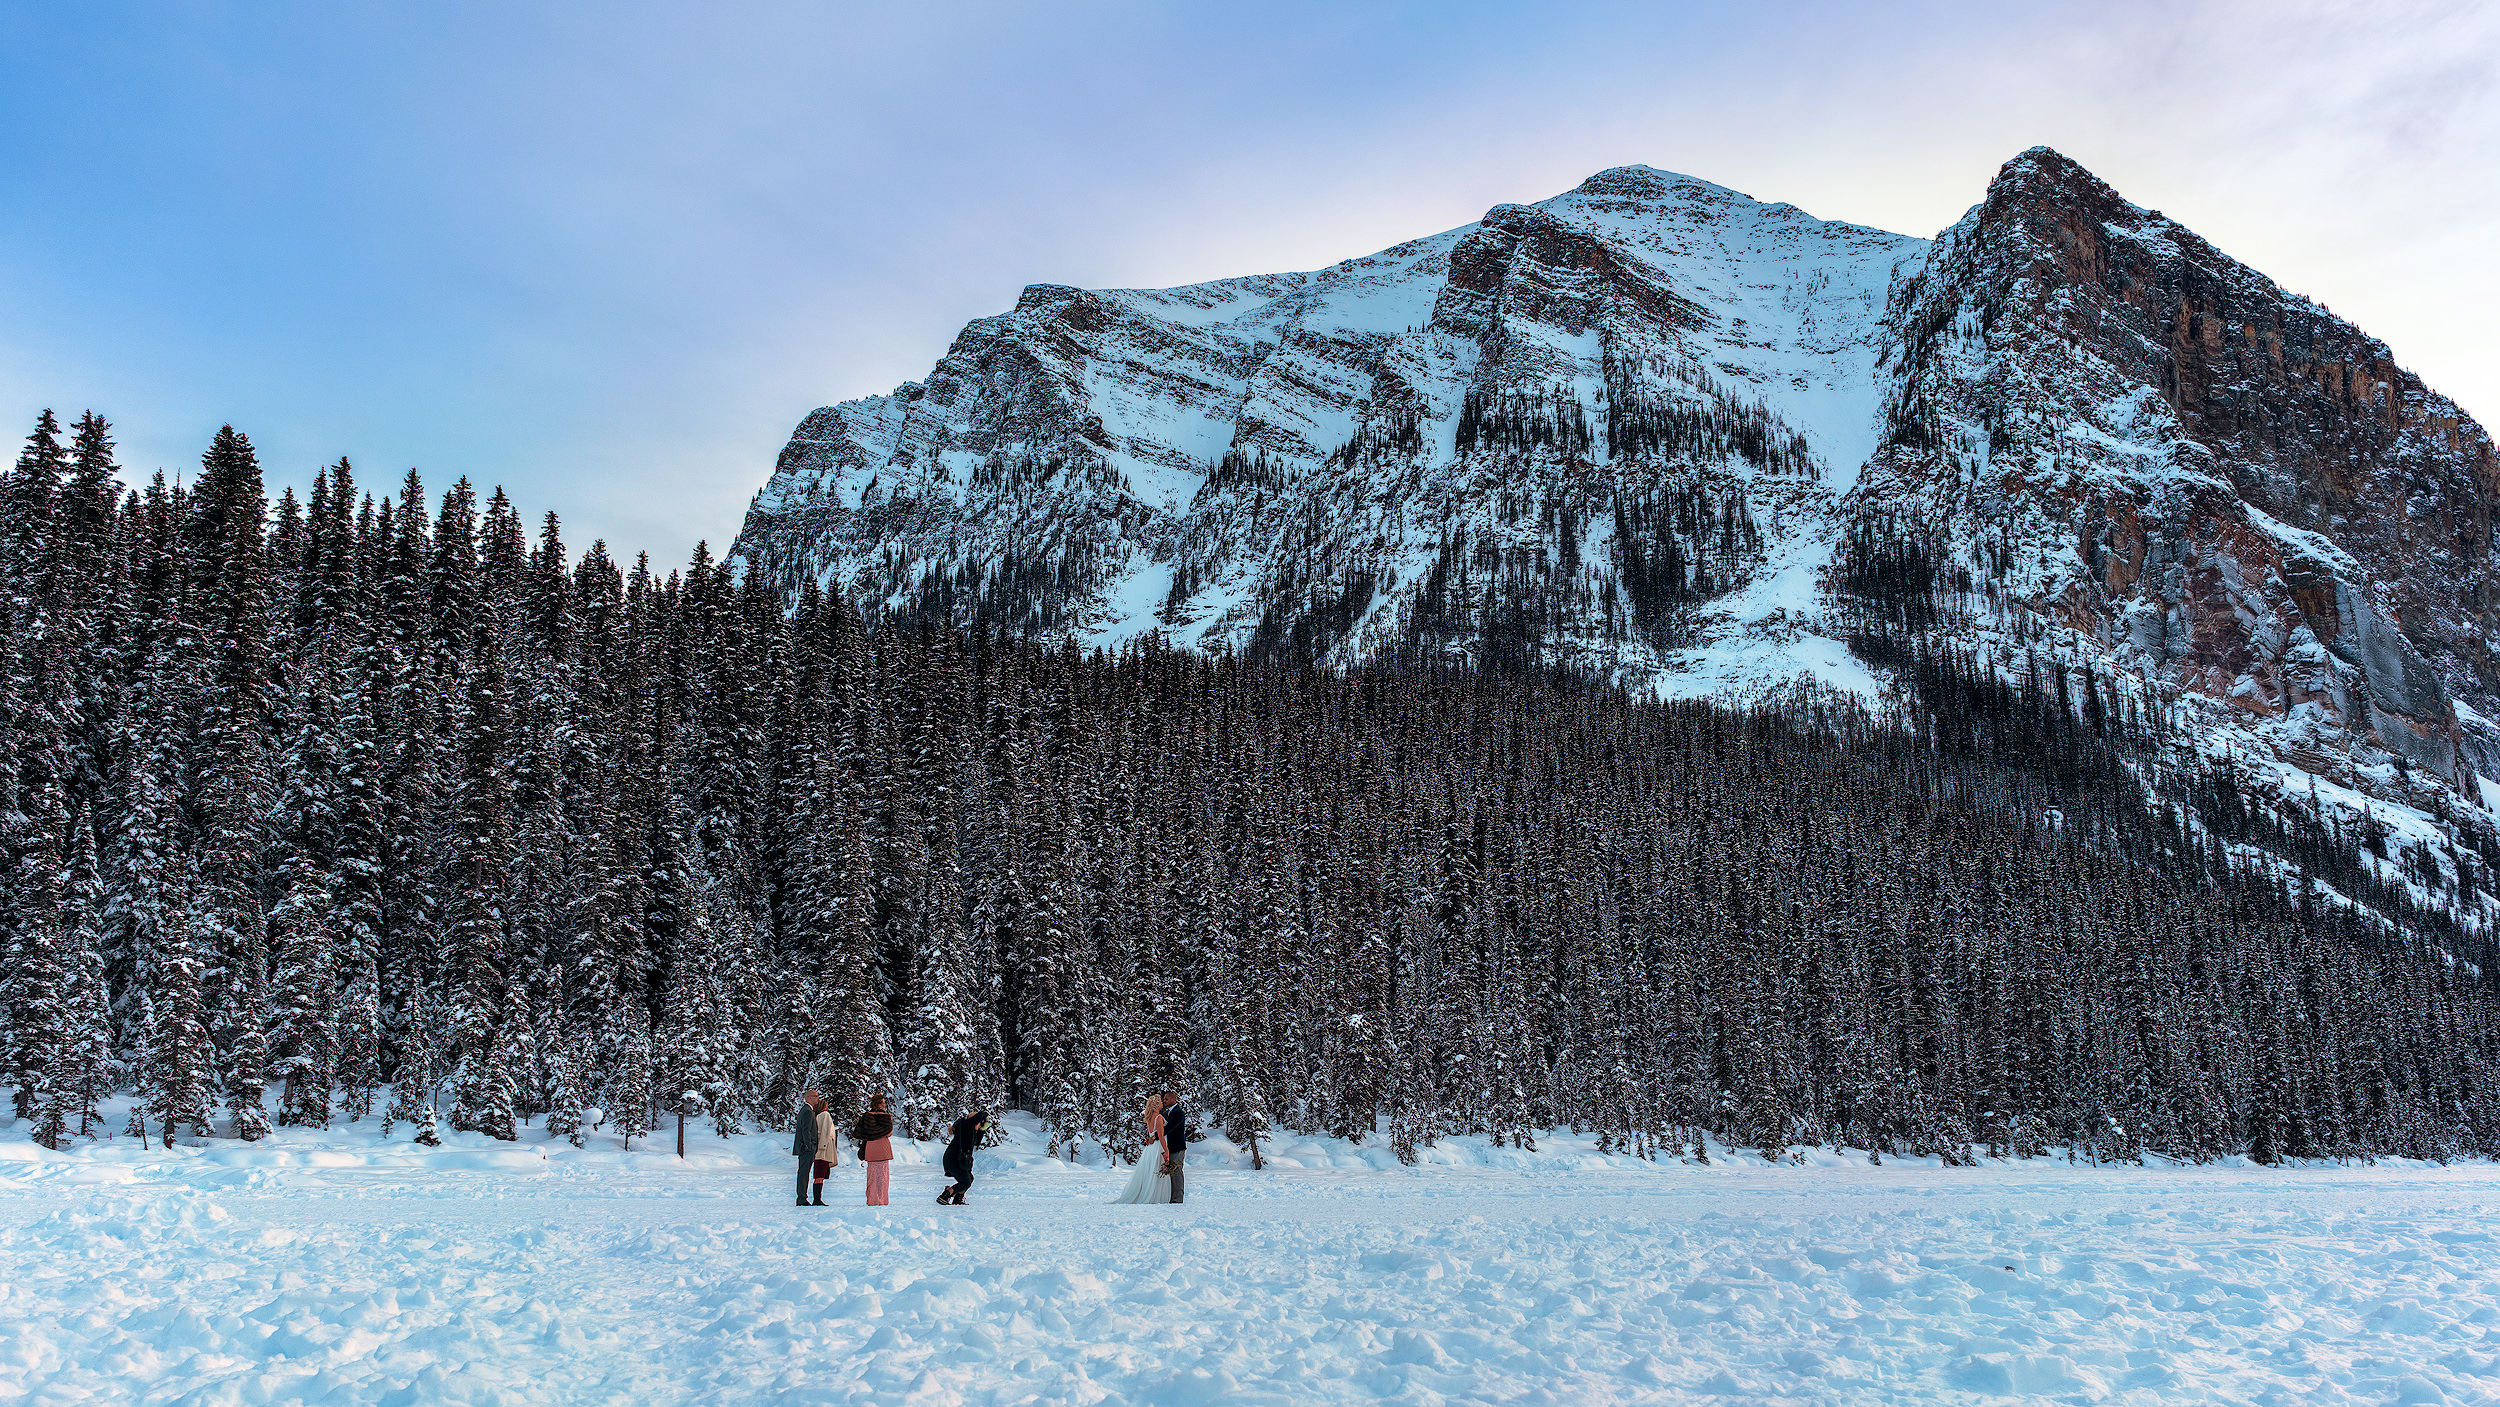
[874,1133]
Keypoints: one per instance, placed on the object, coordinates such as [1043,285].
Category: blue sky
[608,255]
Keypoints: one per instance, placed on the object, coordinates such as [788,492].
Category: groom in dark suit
[1175,1138]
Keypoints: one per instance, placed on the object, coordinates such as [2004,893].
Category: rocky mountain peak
[2222,483]
[1640,427]
[2045,167]
[1631,186]
[1630,183]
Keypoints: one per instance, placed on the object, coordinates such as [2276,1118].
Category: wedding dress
[1148,1183]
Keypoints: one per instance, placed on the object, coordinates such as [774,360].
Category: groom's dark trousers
[1176,1145]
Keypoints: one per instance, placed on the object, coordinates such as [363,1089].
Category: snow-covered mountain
[1639,427]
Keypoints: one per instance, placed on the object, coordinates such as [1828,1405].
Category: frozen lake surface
[332,1268]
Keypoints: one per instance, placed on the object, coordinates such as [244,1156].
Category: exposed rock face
[2220,482]
[1626,426]
[1345,459]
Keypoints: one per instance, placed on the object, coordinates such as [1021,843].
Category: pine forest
[391,806]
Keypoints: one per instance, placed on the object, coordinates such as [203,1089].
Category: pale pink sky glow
[609,256]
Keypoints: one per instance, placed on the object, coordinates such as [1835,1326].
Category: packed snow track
[319,1269]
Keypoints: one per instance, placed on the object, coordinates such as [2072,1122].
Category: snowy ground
[330,1269]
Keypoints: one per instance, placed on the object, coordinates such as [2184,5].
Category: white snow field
[333,1268]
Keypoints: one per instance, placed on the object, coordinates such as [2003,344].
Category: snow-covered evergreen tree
[858,1060]
[480,850]
[564,1100]
[629,1089]
[695,1054]
[413,1082]
[304,989]
[83,1067]
[231,771]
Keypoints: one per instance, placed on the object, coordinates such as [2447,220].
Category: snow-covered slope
[1629,427]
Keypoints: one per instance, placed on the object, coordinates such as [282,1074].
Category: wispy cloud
[608,255]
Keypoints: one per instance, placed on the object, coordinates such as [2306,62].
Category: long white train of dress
[1149,1183]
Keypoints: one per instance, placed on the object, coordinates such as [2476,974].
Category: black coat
[1176,1130]
[873,1125]
[961,1139]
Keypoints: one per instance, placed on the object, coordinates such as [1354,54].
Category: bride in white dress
[1149,1183]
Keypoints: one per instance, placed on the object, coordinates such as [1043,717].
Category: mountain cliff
[1658,429]
[2113,426]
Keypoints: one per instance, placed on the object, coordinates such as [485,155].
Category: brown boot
[820,1194]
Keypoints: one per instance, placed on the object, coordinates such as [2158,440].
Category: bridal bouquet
[1167,1169]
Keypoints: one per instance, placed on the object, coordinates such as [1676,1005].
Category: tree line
[395,806]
